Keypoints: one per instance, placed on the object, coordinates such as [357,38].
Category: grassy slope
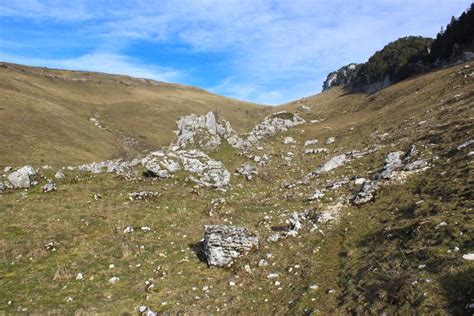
[370,258]
[44,114]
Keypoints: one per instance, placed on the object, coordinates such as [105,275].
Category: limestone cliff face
[344,76]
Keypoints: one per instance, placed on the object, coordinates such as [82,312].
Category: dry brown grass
[44,114]
[90,233]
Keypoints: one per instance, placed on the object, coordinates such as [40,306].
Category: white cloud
[276,50]
[102,62]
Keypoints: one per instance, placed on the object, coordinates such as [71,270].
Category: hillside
[365,207]
[409,56]
[59,117]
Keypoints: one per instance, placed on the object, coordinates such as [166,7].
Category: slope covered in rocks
[334,204]
[64,117]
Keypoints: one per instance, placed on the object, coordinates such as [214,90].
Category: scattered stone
[310,142]
[49,187]
[309,151]
[288,140]
[262,263]
[330,140]
[128,230]
[272,275]
[247,170]
[466,144]
[143,195]
[247,268]
[333,163]
[288,157]
[418,164]
[393,163]
[366,194]
[273,237]
[114,280]
[118,166]
[60,175]
[7,169]
[80,276]
[468,256]
[51,246]
[313,287]
[223,244]
[145,311]
[316,195]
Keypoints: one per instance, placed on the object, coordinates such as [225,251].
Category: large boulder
[20,178]
[223,244]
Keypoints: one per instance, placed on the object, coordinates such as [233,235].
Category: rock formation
[223,244]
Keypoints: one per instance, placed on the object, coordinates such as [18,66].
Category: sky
[263,51]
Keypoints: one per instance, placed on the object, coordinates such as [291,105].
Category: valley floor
[72,251]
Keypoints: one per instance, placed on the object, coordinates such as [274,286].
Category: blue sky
[263,51]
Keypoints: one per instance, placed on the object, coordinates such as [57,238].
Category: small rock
[128,229]
[114,280]
[80,276]
[272,275]
[468,256]
[330,140]
[310,142]
[247,170]
[262,263]
[288,140]
[49,187]
[60,175]
[247,268]
[143,195]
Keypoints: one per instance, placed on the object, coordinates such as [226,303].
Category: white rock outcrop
[208,172]
[277,122]
[20,179]
[223,244]
[203,131]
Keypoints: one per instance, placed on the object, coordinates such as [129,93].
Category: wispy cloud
[102,62]
[272,50]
